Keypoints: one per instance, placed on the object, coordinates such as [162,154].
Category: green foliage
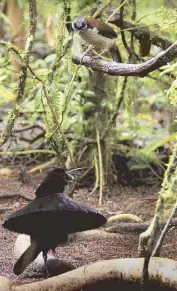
[6,95]
[172,93]
[73,101]
[85,6]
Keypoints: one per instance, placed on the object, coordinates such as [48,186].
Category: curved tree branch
[119,69]
[117,274]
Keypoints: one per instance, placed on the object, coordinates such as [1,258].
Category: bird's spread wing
[56,212]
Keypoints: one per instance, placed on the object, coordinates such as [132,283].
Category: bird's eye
[84,24]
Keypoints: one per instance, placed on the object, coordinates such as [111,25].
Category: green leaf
[5,95]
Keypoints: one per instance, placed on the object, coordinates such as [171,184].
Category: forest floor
[140,201]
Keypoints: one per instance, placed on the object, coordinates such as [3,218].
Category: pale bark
[120,274]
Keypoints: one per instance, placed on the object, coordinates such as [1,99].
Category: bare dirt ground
[139,201]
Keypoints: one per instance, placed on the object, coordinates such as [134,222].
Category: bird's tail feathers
[27,257]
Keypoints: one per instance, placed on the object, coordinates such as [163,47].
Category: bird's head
[80,23]
[55,182]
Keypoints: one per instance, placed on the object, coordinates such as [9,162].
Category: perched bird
[48,220]
[98,34]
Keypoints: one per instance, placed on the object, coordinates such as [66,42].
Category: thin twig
[10,195]
[96,174]
[101,172]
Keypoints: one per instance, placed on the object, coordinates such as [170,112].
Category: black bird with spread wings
[49,218]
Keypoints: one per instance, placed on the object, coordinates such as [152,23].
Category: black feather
[54,213]
[54,182]
[49,218]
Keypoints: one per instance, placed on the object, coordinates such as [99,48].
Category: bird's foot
[46,272]
[83,55]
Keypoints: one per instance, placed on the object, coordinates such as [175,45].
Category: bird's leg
[46,272]
[100,54]
[87,50]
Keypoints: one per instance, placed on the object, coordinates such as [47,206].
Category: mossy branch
[23,72]
[147,238]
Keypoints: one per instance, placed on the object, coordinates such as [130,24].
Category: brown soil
[139,201]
